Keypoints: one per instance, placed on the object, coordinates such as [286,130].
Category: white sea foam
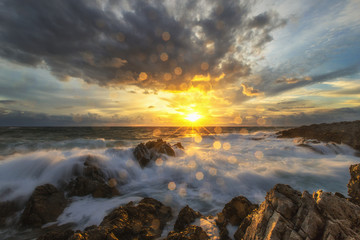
[203,177]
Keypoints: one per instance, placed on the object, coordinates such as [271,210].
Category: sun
[193,117]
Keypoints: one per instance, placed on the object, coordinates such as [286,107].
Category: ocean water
[216,165]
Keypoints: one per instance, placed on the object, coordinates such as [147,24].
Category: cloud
[111,42]
[27,118]
[317,116]
[250,91]
[292,83]
[7,102]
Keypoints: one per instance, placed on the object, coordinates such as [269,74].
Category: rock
[92,182]
[189,233]
[144,153]
[237,209]
[57,235]
[45,205]
[341,132]
[288,214]
[221,223]
[7,210]
[144,221]
[186,216]
[178,145]
[354,184]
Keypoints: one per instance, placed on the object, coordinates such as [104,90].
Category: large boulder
[143,221]
[354,184]
[92,182]
[237,209]
[186,217]
[340,132]
[234,213]
[290,214]
[191,232]
[45,205]
[150,151]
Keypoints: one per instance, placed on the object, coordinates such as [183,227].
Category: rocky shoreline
[284,214]
[340,132]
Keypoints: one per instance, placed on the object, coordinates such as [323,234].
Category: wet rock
[186,216]
[178,145]
[189,233]
[143,221]
[354,184]
[237,209]
[144,153]
[45,205]
[8,210]
[92,182]
[341,132]
[221,223]
[288,214]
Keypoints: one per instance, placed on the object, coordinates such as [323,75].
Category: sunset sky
[108,62]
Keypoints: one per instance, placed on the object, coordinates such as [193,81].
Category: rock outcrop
[143,221]
[237,209]
[45,205]
[341,132]
[354,184]
[186,216]
[191,232]
[234,213]
[288,214]
[150,151]
[92,182]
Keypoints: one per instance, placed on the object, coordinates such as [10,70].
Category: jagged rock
[92,182]
[354,184]
[240,232]
[237,209]
[189,233]
[341,132]
[144,221]
[178,145]
[144,153]
[45,205]
[7,210]
[186,216]
[288,214]
[221,223]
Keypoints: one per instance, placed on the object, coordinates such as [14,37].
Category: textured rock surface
[186,216]
[45,205]
[341,132]
[354,184]
[144,153]
[237,209]
[7,210]
[191,232]
[91,182]
[288,214]
[144,221]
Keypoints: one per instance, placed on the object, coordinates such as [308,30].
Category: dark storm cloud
[10,117]
[113,42]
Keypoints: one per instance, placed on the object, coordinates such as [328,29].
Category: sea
[216,165]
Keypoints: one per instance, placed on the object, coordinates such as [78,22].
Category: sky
[163,63]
